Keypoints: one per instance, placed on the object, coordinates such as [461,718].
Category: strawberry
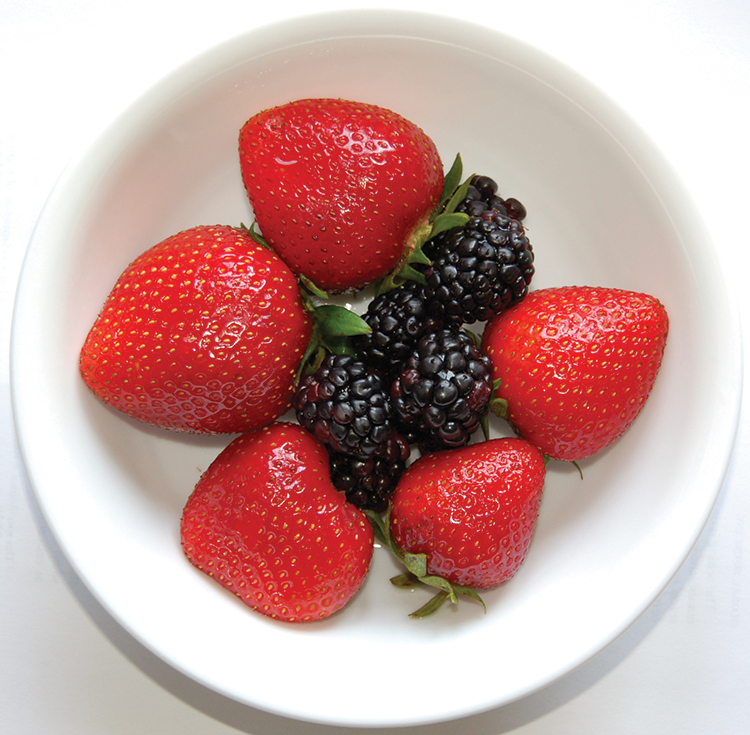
[575,365]
[265,522]
[202,333]
[462,519]
[341,190]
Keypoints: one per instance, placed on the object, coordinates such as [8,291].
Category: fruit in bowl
[265,522]
[203,332]
[223,329]
[341,190]
[112,490]
[574,366]
[462,520]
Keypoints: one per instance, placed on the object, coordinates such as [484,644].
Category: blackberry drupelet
[482,195]
[346,406]
[443,390]
[398,318]
[478,270]
[369,483]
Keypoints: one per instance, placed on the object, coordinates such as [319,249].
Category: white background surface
[680,68]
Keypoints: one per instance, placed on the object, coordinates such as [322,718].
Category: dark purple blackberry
[398,318]
[443,390]
[346,406]
[482,195]
[478,270]
[369,483]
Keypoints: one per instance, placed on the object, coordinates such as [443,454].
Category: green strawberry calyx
[498,406]
[444,217]
[416,571]
[333,327]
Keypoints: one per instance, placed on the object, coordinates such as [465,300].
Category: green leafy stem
[416,573]
[443,218]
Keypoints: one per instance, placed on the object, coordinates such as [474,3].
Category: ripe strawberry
[576,365]
[202,333]
[462,519]
[341,190]
[266,523]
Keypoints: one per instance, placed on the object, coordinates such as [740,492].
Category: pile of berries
[480,269]
[346,405]
[221,330]
[434,382]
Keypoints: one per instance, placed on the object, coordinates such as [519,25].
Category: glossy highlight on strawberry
[472,511]
[265,522]
[339,189]
[576,365]
[202,333]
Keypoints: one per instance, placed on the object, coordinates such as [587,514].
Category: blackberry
[478,270]
[443,390]
[369,483]
[346,406]
[482,195]
[398,318]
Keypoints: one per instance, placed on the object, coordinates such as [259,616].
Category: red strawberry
[340,190]
[266,523]
[576,365]
[462,519]
[202,333]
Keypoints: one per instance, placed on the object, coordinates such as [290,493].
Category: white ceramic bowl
[604,209]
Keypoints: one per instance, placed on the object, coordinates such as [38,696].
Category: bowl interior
[604,209]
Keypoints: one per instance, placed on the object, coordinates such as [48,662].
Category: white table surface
[680,67]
